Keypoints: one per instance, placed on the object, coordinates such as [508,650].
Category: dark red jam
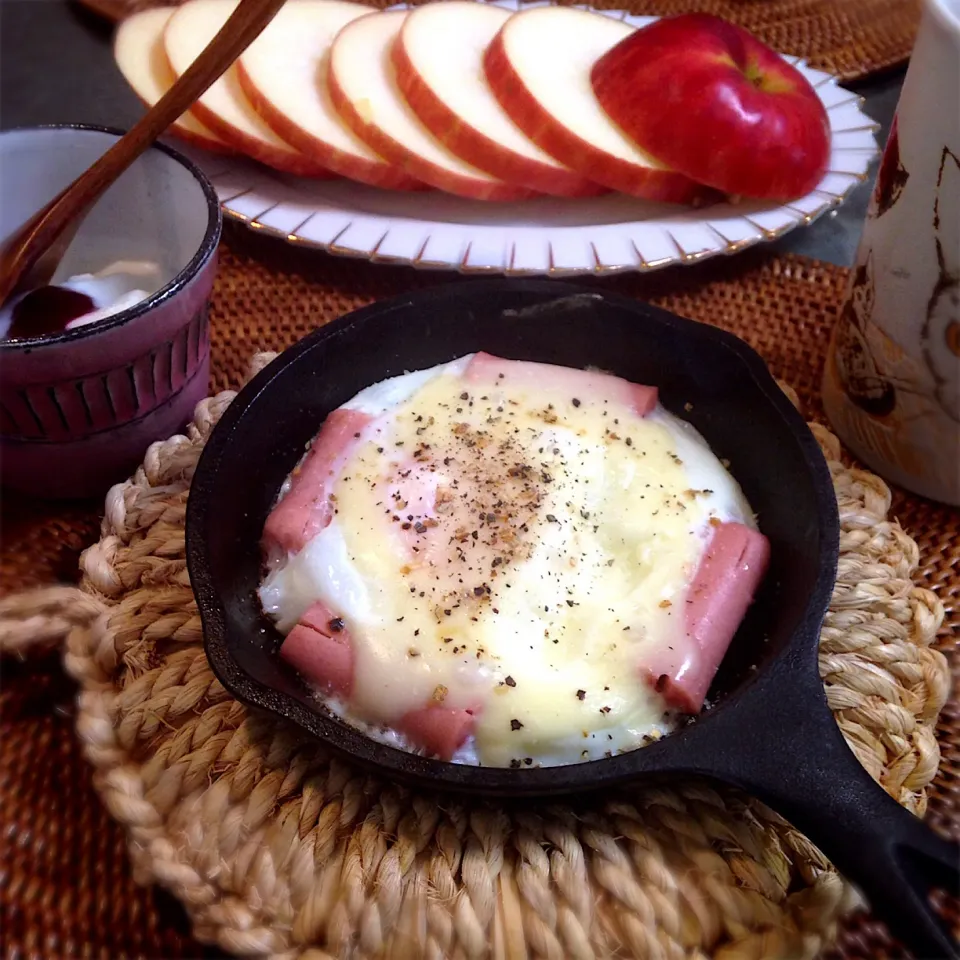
[47,310]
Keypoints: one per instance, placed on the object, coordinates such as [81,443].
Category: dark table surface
[56,67]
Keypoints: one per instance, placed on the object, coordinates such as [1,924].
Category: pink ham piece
[723,588]
[321,650]
[439,731]
[306,509]
[591,385]
[417,490]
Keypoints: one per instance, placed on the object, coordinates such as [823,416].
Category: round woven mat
[849,38]
[274,849]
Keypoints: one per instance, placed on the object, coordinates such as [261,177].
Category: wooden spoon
[30,257]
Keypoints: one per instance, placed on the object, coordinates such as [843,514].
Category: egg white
[352,570]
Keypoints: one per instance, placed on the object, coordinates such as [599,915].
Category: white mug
[891,387]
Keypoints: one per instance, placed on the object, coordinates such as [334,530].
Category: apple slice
[439,63]
[224,108]
[140,57]
[363,89]
[283,74]
[538,66]
[709,99]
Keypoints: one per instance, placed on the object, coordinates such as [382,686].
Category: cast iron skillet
[769,731]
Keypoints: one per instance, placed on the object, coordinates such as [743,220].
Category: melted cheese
[567,531]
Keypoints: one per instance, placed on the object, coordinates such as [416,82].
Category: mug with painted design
[891,387]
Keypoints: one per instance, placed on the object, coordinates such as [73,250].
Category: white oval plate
[545,235]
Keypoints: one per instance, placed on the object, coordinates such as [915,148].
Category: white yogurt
[117,287]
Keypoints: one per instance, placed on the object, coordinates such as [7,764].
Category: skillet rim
[681,750]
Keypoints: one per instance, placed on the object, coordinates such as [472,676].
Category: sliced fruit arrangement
[446,87]
[483,102]
[281,76]
[138,51]
[363,88]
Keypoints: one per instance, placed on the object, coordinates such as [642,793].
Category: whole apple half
[708,99]
[283,75]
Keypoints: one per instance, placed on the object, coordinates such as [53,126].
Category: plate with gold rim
[550,236]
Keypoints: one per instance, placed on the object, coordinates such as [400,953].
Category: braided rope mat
[275,850]
[849,38]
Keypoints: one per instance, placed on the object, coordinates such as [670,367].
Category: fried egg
[509,563]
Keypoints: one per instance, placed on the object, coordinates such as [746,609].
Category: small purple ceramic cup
[78,409]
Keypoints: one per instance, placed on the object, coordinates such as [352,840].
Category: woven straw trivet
[849,38]
[276,849]
[215,802]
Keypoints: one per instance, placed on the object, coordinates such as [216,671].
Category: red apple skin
[279,160]
[415,166]
[547,133]
[196,139]
[707,98]
[473,146]
[383,175]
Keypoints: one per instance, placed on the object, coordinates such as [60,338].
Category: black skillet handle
[798,763]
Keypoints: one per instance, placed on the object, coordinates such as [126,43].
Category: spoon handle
[242,27]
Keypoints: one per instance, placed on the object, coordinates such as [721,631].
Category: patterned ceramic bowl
[79,408]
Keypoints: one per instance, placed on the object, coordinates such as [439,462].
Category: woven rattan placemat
[66,889]
[849,38]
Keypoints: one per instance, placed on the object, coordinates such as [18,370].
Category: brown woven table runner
[849,38]
[66,888]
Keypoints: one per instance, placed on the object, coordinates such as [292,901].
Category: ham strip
[582,385]
[321,650]
[438,730]
[306,509]
[722,589]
